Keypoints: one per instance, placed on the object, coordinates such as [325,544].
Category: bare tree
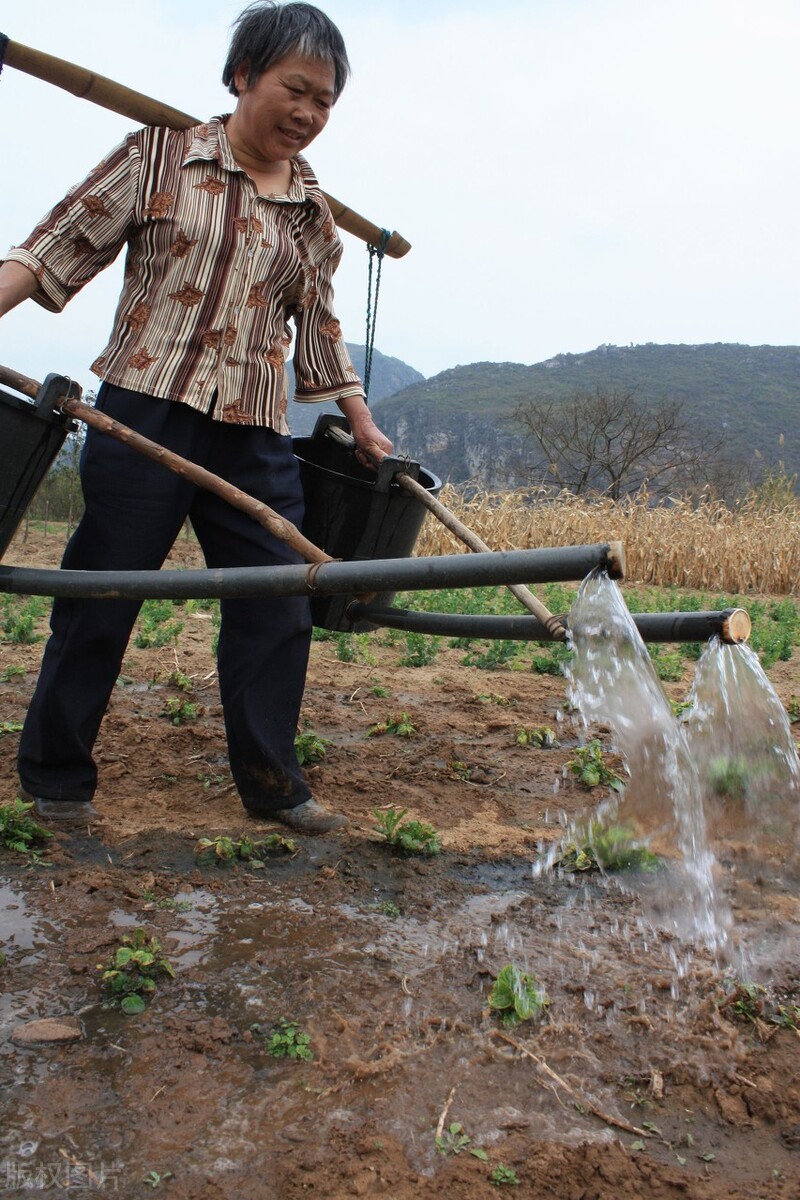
[609,441]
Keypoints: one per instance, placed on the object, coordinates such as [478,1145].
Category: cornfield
[753,547]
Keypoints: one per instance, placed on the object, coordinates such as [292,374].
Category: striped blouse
[213,273]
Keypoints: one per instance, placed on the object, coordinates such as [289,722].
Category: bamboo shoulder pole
[107,93]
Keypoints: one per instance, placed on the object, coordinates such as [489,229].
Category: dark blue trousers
[134,511]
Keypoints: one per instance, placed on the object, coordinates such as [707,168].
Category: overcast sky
[569,172]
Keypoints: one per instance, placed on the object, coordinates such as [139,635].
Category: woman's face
[286,107]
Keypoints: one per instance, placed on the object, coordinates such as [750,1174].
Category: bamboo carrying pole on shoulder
[87,85]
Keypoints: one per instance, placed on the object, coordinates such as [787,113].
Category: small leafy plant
[180,711]
[409,837]
[400,726]
[421,650]
[156,625]
[588,763]
[504,1176]
[224,851]
[133,971]
[10,727]
[517,996]
[288,1040]
[541,737]
[11,671]
[729,776]
[19,623]
[310,747]
[154,1179]
[608,848]
[18,830]
[453,1139]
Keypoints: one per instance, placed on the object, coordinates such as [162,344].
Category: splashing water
[739,733]
[612,681]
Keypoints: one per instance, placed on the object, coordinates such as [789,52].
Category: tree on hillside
[609,441]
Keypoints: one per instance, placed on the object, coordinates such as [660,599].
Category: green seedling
[588,763]
[165,903]
[400,726]
[541,737]
[380,691]
[224,851]
[19,623]
[553,661]
[421,650]
[180,711]
[287,1040]
[133,971]
[179,680]
[493,698]
[517,996]
[388,908]
[156,625]
[154,1179]
[729,776]
[461,769]
[409,837]
[745,1002]
[354,647]
[680,708]
[503,1176]
[310,747]
[10,672]
[211,779]
[18,830]
[497,656]
[793,709]
[453,1139]
[10,727]
[609,848]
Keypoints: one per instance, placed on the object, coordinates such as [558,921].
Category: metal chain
[372,306]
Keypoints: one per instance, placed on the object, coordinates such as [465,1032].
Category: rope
[4,40]
[372,306]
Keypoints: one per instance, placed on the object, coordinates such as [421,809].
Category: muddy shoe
[310,817]
[73,812]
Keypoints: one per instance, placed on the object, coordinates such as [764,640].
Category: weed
[223,851]
[353,647]
[154,1179]
[156,626]
[589,765]
[421,650]
[517,996]
[19,622]
[180,711]
[552,662]
[179,680]
[401,726]
[410,837]
[165,903]
[380,691]
[133,970]
[540,736]
[18,831]
[287,1040]
[10,727]
[461,769]
[729,776]
[503,1176]
[388,908]
[453,1139]
[745,1002]
[310,747]
[8,673]
[498,655]
[611,848]
[210,779]
[493,698]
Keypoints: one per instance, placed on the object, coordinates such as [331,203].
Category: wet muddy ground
[638,1080]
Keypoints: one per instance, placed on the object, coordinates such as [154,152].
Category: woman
[227,235]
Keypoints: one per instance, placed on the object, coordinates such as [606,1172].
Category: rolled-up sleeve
[85,231]
[322,365]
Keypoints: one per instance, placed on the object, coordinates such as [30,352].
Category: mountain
[459,424]
[389,375]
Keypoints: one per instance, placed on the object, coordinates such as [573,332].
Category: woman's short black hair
[266,32]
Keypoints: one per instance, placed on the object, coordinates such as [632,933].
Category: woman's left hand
[371,444]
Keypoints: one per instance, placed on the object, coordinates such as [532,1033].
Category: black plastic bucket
[31,434]
[355,514]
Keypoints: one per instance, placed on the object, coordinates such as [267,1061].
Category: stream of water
[719,785]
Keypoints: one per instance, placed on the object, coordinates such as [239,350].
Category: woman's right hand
[17,283]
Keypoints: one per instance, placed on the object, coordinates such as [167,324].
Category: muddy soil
[638,1080]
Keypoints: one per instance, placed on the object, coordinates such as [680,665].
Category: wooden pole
[87,85]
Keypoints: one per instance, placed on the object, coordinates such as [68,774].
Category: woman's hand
[371,444]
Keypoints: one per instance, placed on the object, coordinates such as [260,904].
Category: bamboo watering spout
[87,85]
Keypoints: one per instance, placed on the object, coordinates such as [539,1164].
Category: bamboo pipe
[87,85]
[277,525]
